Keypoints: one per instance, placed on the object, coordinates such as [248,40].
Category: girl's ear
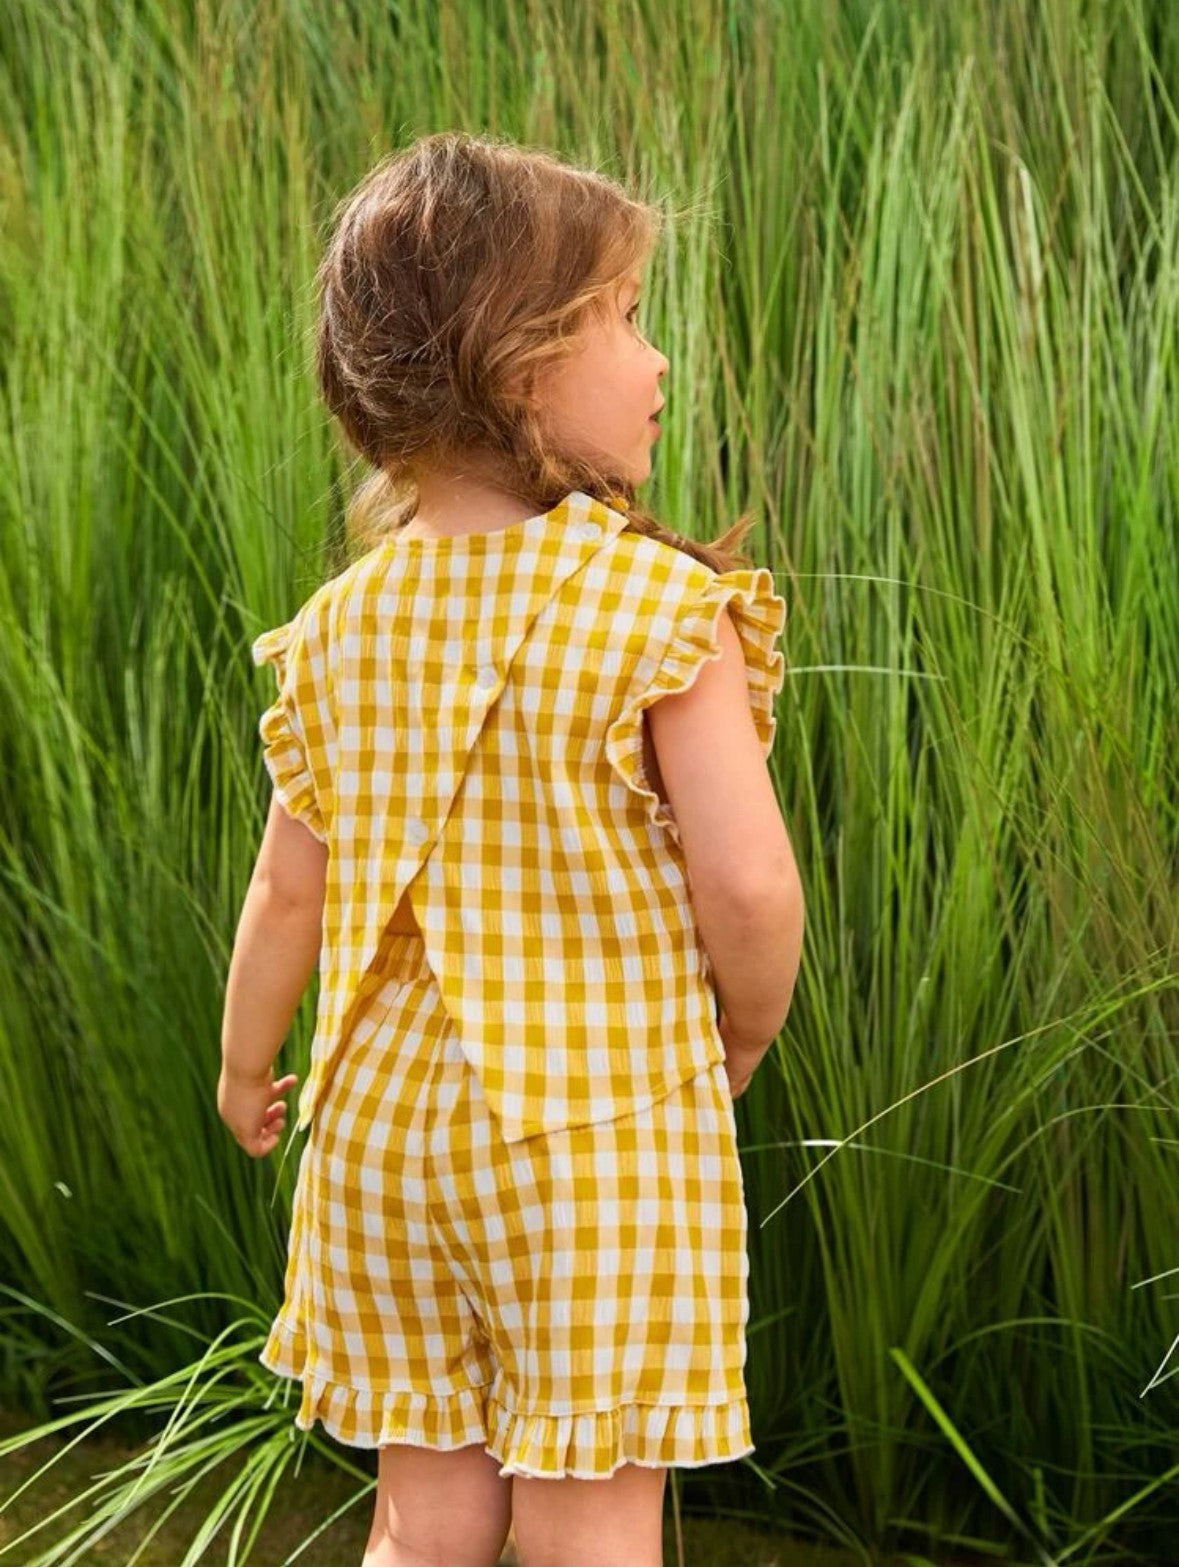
[521,388]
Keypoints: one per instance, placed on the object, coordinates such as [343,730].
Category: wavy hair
[456,271]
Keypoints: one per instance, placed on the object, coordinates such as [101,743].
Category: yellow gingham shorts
[573,1302]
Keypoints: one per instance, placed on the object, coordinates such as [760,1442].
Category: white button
[486,677]
[416,831]
[589,530]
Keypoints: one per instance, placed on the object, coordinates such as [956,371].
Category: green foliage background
[923,319]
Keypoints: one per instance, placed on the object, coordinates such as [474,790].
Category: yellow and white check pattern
[462,718]
[573,1302]
[519,1217]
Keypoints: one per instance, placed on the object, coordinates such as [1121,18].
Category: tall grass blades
[922,318]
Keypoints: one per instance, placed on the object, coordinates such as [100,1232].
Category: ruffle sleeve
[759,615]
[293,725]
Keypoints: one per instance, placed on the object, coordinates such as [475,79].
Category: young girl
[523,820]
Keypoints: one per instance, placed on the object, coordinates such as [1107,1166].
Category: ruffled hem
[759,615]
[592,1445]
[360,1417]
[270,647]
[282,748]
[587,1446]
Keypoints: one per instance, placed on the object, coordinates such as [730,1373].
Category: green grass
[924,323]
[300,1505]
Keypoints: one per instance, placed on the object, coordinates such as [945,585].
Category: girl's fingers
[273,1121]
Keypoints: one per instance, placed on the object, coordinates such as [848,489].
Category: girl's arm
[745,887]
[275,952]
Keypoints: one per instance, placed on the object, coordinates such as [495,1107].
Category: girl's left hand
[250,1110]
[740,1060]
[739,1080]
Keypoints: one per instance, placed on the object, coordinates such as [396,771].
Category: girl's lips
[654,423]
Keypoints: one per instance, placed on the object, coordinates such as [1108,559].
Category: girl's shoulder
[643,557]
[310,626]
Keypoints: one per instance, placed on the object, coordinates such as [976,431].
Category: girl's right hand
[252,1110]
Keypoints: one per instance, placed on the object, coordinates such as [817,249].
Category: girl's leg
[438,1509]
[617,1522]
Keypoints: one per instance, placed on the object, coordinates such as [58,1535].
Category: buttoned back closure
[461,720]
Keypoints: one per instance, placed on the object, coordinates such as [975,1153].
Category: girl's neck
[465,501]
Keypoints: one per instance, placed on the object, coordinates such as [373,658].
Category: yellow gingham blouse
[462,718]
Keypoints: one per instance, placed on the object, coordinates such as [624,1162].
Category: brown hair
[457,270]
